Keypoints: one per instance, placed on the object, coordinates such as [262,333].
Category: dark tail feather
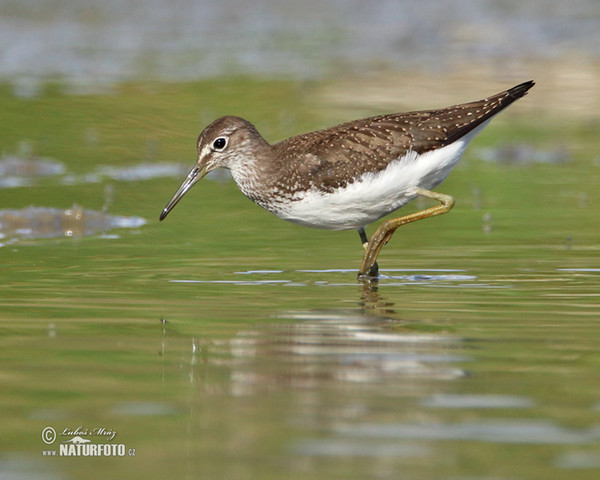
[483,110]
[520,90]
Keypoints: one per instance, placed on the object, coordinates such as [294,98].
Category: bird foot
[371,274]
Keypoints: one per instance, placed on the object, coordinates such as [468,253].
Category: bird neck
[252,167]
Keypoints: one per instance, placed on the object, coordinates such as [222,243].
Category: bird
[349,175]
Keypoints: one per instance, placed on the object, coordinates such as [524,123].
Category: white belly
[376,194]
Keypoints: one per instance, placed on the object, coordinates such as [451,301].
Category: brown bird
[348,176]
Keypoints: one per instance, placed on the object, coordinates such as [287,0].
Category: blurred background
[88,44]
[226,343]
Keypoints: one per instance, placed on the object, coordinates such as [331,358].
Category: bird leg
[374,269]
[385,231]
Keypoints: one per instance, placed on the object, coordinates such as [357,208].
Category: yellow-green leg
[385,231]
[373,269]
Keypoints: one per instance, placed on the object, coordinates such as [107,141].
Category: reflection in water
[364,383]
[150,409]
[19,171]
[515,154]
[143,171]
[537,432]
[332,346]
[357,448]
[25,170]
[324,367]
[347,371]
[579,460]
[44,222]
[477,401]
[370,300]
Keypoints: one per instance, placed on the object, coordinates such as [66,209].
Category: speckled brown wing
[335,157]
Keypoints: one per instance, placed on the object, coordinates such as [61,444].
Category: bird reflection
[371,301]
[318,349]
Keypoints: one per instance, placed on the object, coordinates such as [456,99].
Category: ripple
[447,278]
[477,401]
[521,431]
[253,272]
[349,448]
[144,408]
[143,171]
[578,269]
[578,460]
[329,270]
[232,282]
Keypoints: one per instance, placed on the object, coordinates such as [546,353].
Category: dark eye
[220,143]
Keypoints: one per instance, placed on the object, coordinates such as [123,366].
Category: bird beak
[195,174]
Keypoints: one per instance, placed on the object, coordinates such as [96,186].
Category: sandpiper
[348,176]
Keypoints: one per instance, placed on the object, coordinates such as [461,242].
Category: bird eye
[220,143]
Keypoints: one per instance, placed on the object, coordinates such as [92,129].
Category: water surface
[226,343]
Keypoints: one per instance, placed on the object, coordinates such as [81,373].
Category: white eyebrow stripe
[205,151]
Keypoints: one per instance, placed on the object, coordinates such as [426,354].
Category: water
[100,43]
[226,343]
[43,222]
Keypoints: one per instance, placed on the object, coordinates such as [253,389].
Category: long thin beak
[195,174]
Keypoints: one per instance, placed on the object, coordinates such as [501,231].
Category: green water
[225,343]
